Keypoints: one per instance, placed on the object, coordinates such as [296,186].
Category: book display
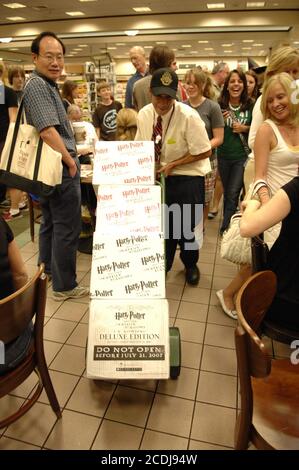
[90,92]
[128,334]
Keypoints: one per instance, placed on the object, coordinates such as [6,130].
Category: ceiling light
[14,5]
[186,45]
[88,1]
[247,40]
[111,48]
[122,44]
[132,32]
[209,48]
[147,47]
[226,45]
[6,40]
[246,48]
[257,45]
[215,5]
[227,52]
[160,42]
[15,18]
[141,9]
[255,4]
[75,13]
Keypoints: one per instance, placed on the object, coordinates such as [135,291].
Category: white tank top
[283,161]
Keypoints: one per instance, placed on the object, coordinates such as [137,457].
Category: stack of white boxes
[128,326]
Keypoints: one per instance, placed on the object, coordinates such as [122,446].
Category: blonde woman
[276,151]
[284,59]
[276,146]
[126,121]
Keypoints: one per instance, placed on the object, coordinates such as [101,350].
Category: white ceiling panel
[104,22]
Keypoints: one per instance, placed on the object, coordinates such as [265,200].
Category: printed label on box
[128,267]
[123,209]
[129,162]
[128,339]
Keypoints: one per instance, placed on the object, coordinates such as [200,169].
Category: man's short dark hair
[160,56]
[36,42]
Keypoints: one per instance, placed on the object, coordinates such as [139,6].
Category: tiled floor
[196,411]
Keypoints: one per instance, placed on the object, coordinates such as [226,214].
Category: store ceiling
[192,30]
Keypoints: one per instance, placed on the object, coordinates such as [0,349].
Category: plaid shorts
[210,179]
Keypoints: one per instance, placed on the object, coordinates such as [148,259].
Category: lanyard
[162,140]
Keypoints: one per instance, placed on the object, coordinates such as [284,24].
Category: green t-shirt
[232,147]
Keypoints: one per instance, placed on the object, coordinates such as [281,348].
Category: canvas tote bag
[27,162]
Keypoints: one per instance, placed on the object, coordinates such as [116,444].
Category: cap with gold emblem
[164,82]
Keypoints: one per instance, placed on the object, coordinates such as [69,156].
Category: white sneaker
[231,313]
[75,293]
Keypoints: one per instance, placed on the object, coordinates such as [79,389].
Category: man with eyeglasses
[61,221]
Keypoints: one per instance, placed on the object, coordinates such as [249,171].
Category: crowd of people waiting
[200,129]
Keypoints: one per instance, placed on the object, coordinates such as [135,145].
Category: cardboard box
[128,340]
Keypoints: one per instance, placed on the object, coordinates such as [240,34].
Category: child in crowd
[104,117]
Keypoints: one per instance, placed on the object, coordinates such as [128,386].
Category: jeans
[59,232]
[16,351]
[180,191]
[231,174]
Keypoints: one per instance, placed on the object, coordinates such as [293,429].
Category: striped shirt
[44,108]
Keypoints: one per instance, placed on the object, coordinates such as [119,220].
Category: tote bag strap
[241,136]
[15,134]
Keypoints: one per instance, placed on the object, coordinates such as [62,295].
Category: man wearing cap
[182,148]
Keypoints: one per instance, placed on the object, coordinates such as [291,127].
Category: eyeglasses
[51,57]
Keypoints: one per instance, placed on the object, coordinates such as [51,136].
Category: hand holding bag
[27,162]
[234,247]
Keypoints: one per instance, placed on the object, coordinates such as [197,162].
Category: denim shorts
[17,350]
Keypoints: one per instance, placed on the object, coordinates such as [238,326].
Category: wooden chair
[32,205]
[16,311]
[269,415]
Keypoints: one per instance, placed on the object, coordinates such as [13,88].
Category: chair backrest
[18,309]
[268,414]
[255,297]
[253,300]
